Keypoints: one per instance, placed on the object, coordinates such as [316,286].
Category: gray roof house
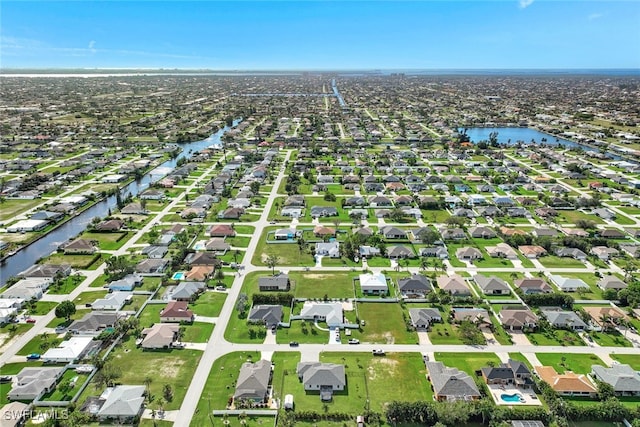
[564,319]
[319,211]
[155,251]
[127,283]
[330,312]
[400,251]
[571,253]
[451,384]
[274,283]
[468,253]
[421,318]
[93,323]
[492,285]
[160,335]
[329,249]
[568,284]
[454,285]
[187,291]
[624,380]
[390,232]
[416,286]
[124,402]
[112,301]
[434,252]
[323,377]
[611,282]
[31,383]
[268,315]
[253,381]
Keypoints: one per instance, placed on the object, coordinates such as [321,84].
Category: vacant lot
[578,363]
[467,362]
[384,323]
[209,304]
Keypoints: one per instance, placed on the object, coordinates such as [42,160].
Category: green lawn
[66,286]
[379,262]
[4,389]
[317,285]
[221,384]
[572,217]
[444,333]
[69,375]
[13,207]
[610,339]
[578,363]
[41,308]
[553,261]
[175,367]
[209,304]
[34,346]
[150,315]
[109,241]
[83,262]
[384,323]
[63,322]
[521,358]
[287,253]
[9,331]
[198,332]
[555,337]
[628,359]
[468,362]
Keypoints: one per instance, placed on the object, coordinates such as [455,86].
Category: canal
[43,247]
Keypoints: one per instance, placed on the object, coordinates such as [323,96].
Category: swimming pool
[179,275]
[511,398]
[199,246]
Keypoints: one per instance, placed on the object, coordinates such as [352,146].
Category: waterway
[513,135]
[334,86]
[43,247]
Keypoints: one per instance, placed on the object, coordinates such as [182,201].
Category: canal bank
[29,254]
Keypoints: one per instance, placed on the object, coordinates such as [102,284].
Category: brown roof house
[176,311]
[522,318]
[454,285]
[221,230]
[567,384]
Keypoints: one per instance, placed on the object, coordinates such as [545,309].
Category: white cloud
[525,3]
[594,16]
[92,46]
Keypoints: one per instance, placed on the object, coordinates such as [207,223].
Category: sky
[321,35]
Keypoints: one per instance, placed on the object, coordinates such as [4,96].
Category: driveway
[519,338]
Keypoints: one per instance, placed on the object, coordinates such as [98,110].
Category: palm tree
[147,382]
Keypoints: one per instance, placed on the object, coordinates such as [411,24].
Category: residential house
[187,291]
[471,314]
[152,266]
[390,232]
[545,232]
[605,317]
[400,251]
[268,315]
[134,208]
[253,381]
[329,312]
[160,335]
[94,323]
[368,251]
[455,285]
[604,253]
[533,286]
[322,231]
[415,286]
[127,283]
[199,273]
[512,373]
[68,351]
[31,383]
[14,414]
[453,234]
[221,230]
[612,234]
[502,250]
[623,378]
[492,285]
[482,232]
[434,252]
[421,318]
[291,212]
[155,251]
[323,211]
[47,270]
[611,282]
[207,259]
[468,253]
[517,319]
[123,402]
[284,234]
[31,288]
[373,284]
[567,384]
[231,213]
[274,283]
[574,253]
[112,301]
[323,377]
[176,311]
[532,251]
[451,384]
[564,319]
[328,249]
[568,284]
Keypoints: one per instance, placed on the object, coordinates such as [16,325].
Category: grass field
[220,384]
[556,337]
[384,323]
[150,315]
[174,367]
[33,346]
[198,332]
[209,304]
[467,362]
[553,261]
[578,363]
[610,339]
[109,241]
[629,359]
[317,285]
[10,208]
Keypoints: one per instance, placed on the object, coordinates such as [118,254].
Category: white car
[354,341]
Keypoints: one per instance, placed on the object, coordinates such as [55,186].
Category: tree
[605,390]
[65,310]
[428,236]
[167,392]
[271,262]
[219,276]
[147,382]
[397,215]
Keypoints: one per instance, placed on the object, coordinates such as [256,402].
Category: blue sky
[321,35]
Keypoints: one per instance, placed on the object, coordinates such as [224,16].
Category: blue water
[516,134]
[178,276]
[512,398]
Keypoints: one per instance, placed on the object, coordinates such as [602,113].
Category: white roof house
[113,301]
[373,283]
[330,312]
[27,225]
[69,350]
[123,401]
[568,284]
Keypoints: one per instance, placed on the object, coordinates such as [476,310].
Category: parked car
[31,320]
[293,344]
[378,352]
[60,329]
[354,341]
[221,288]
[5,379]
[33,356]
